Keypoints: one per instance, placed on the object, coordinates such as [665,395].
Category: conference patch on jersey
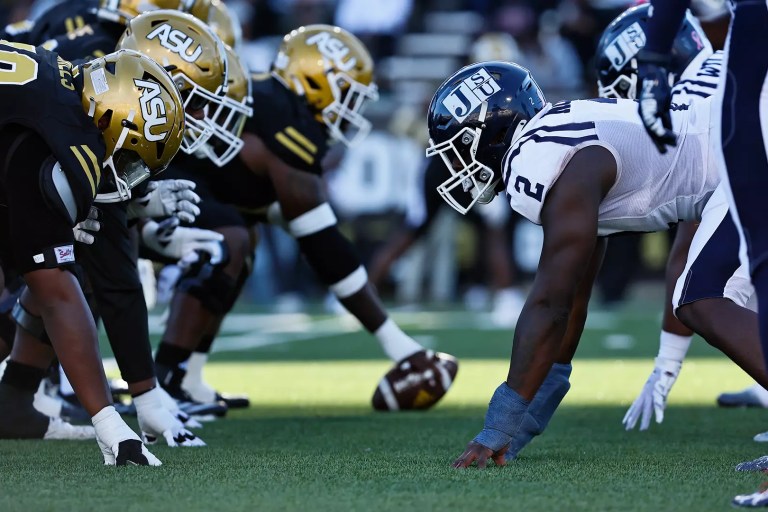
[625,46]
[470,94]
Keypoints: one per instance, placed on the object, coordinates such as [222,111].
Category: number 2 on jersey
[17,68]
[528,190]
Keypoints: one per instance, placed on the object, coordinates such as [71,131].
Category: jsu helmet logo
[176,41]
[333,49]
[625,46]
[152,109]
[470,94]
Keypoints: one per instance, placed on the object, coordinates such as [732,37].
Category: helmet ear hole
[105,120]
[312,83]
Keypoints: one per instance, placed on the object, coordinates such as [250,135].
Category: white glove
[173,241]
[165,198]
[84,230]
[118,443]
[155,421]
[173,407]
[654,395]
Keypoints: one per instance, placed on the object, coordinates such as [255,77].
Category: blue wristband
[505,414]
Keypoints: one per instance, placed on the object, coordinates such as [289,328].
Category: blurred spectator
[379,27]
[552,60]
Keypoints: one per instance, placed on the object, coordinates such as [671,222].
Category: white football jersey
[652,191]
[699,80]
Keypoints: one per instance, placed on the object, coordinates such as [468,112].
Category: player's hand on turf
[164,198]
[479,454]
[157,422]
[119,444]
[653,397]
[174,241]
[654,96]
[84,231]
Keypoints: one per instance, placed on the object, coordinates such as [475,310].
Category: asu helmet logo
[176,41]
[333,49]
[152,109]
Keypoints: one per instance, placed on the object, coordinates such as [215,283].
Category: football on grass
[417,382]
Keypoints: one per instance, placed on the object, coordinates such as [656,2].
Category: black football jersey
[282,120]
[63,18]
[37,90]
[87,43]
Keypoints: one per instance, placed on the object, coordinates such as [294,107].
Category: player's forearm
[538,338]
[664,24]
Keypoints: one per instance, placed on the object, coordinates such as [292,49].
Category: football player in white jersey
[584,171]
[695,70]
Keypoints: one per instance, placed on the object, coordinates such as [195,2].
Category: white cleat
[61,430]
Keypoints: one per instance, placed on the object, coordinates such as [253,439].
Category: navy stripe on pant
[714,266]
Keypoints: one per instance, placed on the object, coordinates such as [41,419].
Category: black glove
[654,98]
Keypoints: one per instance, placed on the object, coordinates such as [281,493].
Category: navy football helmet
[472,120]
[616,62]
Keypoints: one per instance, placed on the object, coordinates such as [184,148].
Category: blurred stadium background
[310,433]
[416,44]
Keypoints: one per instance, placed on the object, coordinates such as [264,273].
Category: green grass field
[310,440]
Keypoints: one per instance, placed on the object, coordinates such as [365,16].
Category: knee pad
[31,323]
[211,286]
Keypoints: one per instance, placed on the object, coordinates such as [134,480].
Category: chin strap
[123,192]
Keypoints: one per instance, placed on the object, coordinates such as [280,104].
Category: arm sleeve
[663,24]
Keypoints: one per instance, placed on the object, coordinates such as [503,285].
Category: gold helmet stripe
[301,139]
[94,161]
[290,144]
[86,169]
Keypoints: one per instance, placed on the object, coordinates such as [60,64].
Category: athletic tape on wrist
[351,284]
[313,221]
[506,411]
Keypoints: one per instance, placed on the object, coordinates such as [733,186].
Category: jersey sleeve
[536,160]
[83,45]
[19,32]
[287,128]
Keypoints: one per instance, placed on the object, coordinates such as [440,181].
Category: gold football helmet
[195,58]
[229,118]
[122,11]
[225,24]
[333,70]
[138,108]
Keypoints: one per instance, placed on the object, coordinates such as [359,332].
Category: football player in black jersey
[320,81]
[65,134]
[110,261]
[71,18]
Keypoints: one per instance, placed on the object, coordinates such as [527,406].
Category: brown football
[417,382]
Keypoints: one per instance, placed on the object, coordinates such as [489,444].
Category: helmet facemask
[227,120]
[474,182]
[624,86]
[344,115]
[197,98]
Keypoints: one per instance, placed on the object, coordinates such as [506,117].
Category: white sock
[65,387]
[193,382]
[673,346]
[761,394]
[395,343]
